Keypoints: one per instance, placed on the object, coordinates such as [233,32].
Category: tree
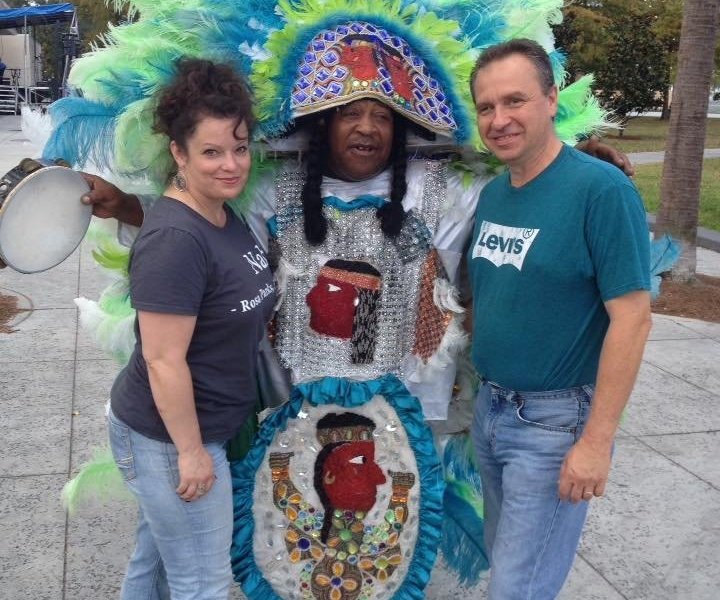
[93,19]
[667,31]
[581,35]
[584,33]
[682,169]
[634,73]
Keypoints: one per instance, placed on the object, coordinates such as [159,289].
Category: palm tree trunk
[682,170]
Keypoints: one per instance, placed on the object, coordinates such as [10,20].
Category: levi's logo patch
[503,245]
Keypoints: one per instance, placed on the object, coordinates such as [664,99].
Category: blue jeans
[183,548]
[521,439]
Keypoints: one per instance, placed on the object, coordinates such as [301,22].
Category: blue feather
[480,20]
[82,132]
[664,253]
[462,537]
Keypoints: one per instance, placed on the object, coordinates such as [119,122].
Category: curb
[706,238]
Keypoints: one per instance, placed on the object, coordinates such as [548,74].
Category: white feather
[284,271]
[445,296]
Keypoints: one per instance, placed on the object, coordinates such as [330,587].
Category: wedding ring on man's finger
[588,494]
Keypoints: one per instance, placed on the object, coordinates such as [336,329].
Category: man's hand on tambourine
[109,201]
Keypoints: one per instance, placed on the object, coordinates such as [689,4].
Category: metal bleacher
[9,100]
[9,93]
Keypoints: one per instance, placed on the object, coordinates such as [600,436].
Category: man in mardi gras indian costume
[361,199]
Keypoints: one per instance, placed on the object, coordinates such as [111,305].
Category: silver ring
[201,489]
[588,494]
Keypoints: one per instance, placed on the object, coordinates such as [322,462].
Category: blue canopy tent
[28,16]
[22,19]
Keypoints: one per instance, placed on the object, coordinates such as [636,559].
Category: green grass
[649,177]
[645,134]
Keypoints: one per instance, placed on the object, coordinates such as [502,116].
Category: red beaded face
[351,476]
[332,307]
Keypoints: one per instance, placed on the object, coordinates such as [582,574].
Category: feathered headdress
[301,56]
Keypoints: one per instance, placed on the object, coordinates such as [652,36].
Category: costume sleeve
[126,234]
[618,239]
[432,381]
[168,272]
[457,218]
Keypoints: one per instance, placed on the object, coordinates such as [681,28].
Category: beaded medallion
[340,496]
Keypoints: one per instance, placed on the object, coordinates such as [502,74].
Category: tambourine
[42,219]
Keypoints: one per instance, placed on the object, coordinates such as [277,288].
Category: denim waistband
[572,392]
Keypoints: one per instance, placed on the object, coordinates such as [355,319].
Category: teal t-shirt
[543,259]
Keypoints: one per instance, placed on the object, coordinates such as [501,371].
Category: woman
[203,294]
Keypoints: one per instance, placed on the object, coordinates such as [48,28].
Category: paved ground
[644,158]
[655,535]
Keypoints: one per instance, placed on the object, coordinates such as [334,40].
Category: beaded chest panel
[353,236]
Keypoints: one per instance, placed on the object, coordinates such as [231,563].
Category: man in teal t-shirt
[559,269]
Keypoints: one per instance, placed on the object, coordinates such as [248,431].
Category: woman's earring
[179,181]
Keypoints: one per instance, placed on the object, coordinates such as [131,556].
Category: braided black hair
[391,214]
[314,221]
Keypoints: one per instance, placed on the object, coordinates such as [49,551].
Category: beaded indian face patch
[361,60]
[343,304]
[340,497]
[344,554]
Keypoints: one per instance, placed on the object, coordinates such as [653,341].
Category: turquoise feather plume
[82,132]
[664,253]
[463,525]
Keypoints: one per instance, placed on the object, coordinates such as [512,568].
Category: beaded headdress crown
[301,56]
[360,60]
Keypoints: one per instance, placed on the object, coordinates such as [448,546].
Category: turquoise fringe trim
[272,226]
[346,394]
[364,201]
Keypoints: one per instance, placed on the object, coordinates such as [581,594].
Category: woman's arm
[165,341]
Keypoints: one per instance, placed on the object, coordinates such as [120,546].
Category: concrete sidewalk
[654,536]
[646,158]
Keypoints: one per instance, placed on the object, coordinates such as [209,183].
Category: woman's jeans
[182,547]
[521,440]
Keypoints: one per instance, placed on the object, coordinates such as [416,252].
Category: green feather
[98,479]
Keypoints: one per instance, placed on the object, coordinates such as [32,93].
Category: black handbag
[273,383]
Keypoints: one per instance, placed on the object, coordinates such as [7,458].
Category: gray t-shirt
[182,264]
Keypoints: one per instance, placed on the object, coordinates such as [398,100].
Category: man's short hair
[530,49]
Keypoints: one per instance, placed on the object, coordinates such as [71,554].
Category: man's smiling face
[360,136]
[514,112]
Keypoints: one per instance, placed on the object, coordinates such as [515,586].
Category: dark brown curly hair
[201,88]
